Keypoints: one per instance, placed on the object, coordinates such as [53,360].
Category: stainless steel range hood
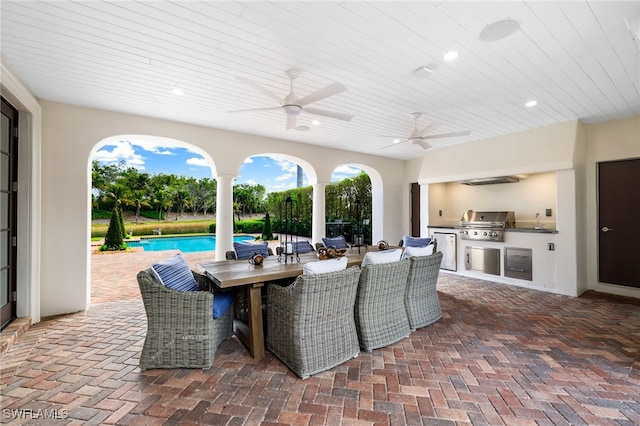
[490,180]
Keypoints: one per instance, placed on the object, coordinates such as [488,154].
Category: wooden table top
[233,273]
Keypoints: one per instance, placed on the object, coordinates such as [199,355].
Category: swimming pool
[184,244]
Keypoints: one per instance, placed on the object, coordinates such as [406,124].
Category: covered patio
[500,355]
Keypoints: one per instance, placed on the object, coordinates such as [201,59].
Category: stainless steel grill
[486,226]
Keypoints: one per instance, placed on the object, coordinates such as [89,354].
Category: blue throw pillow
[408,241]
[245,250]
[337,242]
[304,247]
[221,302]
[175,273]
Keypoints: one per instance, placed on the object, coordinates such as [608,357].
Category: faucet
[538,226]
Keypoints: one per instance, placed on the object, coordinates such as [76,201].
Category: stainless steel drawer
[482,259]
[518,263]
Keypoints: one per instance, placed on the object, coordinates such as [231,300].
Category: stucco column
[318,213]
[224,215]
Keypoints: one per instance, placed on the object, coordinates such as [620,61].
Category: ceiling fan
[292,105]
[419,137]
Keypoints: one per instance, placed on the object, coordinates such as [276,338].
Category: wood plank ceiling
[578,59]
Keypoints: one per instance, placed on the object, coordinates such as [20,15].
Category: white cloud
[155,145]
[248,160]
[286,165]
[195,161]
[345,169]
[343,172]
[286,176]
[122,151]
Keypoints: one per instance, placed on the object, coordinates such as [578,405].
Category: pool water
[184,244]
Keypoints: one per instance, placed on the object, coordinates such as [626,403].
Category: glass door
[8,212]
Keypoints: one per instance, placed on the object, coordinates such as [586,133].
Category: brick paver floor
[500,355]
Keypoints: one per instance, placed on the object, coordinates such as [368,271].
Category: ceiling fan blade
[253,109]
[449,135]
[423,144]
[330,90]
[330,114]
[395,143]
[429,128]
[291,122]
[260,88]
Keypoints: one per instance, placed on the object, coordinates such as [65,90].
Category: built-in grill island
[492,245]
[486,226]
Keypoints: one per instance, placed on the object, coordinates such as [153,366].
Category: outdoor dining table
[241,273]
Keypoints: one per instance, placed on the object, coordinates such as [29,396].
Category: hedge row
[249,226]
[168,228]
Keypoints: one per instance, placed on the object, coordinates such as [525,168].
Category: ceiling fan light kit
[418,137]
[294,106]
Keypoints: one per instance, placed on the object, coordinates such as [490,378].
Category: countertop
[528,229]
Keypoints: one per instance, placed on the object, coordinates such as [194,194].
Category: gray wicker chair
[310,323]
[421,298]
[181,331]
[381,317]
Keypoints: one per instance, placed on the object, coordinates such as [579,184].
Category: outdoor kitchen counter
[532,230]
[543,244]
[529,229]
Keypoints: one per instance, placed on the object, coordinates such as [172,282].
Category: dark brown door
[8,212]
[415,209]
[618,222]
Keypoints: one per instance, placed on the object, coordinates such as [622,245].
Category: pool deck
[109,287]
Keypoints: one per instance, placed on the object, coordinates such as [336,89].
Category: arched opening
[133,158]
[271,174]
[364,212]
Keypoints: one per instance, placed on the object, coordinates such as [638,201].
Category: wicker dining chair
[381,317]
[181,331]
[310,323]
[421,298]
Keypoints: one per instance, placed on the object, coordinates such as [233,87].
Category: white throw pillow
[417,251]
[322,266]
[385,256]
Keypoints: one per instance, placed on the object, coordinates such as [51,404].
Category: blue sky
[157,155]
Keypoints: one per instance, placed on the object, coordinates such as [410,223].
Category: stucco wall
[544,149]
[70,134]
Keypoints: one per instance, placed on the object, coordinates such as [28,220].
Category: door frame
[617,227]
[8,312]
[415,209]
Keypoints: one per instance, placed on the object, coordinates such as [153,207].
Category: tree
[202,194]
[250,197]
[267,233]
[123,231]
[181,200]
[114,240]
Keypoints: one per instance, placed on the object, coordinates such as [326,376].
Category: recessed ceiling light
[396,140]
[499,30]
[315,122]
[177,91]
[450,56]
[531,103]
